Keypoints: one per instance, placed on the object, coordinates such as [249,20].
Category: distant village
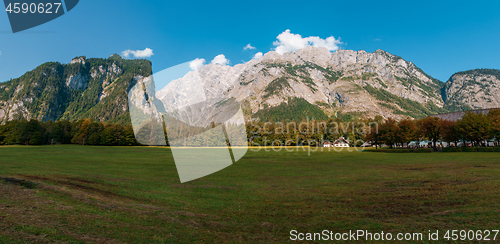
[449,121]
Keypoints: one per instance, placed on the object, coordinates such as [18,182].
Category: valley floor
[85,194]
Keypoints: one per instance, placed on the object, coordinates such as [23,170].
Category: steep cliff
[473,89]
[84,88]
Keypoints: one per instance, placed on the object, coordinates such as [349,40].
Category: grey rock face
[338,79]
[80,60]
[477,89]
[77,81]
[346,80]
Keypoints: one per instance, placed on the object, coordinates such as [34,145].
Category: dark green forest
[82,132]
[295,109]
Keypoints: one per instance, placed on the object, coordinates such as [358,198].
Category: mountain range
[311,82]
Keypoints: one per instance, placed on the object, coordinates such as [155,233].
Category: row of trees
[83,132]
[475,128]
[307,132]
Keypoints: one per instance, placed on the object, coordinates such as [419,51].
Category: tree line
[83,132]
[471,130]
[474,128]
[477,129]
[307,132]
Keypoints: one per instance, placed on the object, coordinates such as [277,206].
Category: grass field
[84,194]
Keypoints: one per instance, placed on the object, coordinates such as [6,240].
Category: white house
[327,144]
[341,142]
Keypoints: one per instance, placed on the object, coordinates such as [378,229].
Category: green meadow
[86,194]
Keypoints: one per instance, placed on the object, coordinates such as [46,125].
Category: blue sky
[441,37]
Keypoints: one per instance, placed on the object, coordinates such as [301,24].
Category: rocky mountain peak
[473,89]
[85,88]
[80,60]
[345,81]
[317,55]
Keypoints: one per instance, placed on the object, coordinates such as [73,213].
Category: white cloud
[248,46]
[146,53]
[197,63]
[0,52]
[289,42]
[257,55]
[220,59]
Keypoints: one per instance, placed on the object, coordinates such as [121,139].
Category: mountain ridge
[343,83]
[473,89]
[84,88]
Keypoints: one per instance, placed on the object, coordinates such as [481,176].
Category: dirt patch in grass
[24,216]
[80,184]
[20,182]
[80,180]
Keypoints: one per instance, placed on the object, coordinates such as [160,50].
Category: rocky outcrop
[77,82]
[78,60]
[84,88]
[473,89]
